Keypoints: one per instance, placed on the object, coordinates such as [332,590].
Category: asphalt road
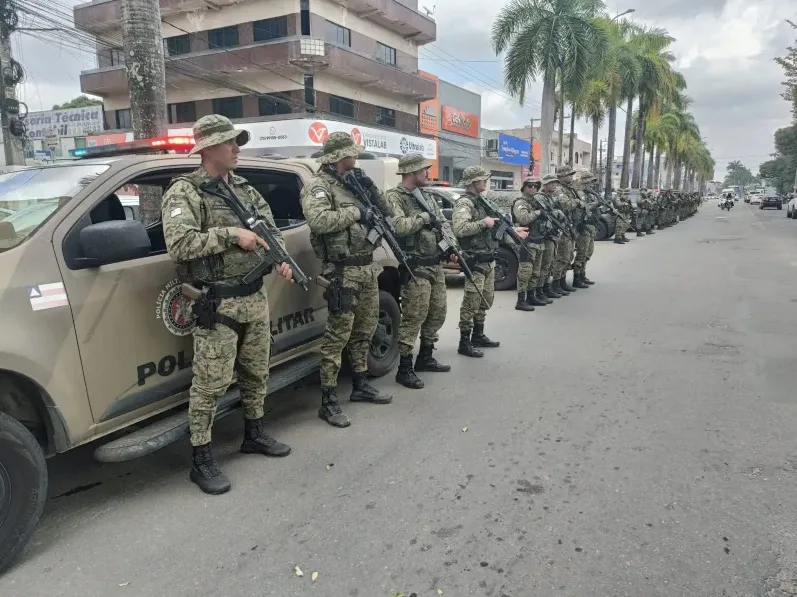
[637,439]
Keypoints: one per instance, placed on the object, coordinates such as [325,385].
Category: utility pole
[600,165]
[10,75]
[146,76]
[531,148]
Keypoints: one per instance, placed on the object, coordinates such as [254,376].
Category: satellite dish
[429,13]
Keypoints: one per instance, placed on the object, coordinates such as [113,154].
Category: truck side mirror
[113,242]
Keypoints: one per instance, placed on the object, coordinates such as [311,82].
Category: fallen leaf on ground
[330,465]
[298,571]
[464,430]
[440,591]
[314,576]
[124,584]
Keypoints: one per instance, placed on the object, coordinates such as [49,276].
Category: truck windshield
[30,197]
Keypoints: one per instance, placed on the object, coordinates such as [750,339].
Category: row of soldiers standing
[215,252]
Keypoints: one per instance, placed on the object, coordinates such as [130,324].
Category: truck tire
[506,265]
[602,230]
[23,488]
[383,354]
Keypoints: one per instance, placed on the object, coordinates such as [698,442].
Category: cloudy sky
[725,48]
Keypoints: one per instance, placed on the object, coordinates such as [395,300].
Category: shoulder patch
[176,212]
[319,193]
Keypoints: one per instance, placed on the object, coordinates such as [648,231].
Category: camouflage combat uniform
[200,234]
[526,211]
[424,301]
[566,245]
[623,206]
[547,202]
[480,247]
[333,213]
[641,214]
[585,241]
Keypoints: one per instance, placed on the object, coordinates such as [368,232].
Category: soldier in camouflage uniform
[214,253]
[623,207]
[545,199]
[338,232]
[642,212]
[472,226]
[423,302]
[526,211]
[584,228]
[585,241]
[650,221]
[565,246]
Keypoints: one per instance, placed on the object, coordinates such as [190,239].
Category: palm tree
[658,130]
[620,75]
[543,38]
[659,85]
[591,104]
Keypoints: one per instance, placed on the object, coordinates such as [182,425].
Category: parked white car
[791,208]
[755,200]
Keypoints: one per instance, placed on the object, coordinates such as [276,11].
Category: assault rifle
[380,227]
[505,226]
[606,205]
[447,245]
[274,253]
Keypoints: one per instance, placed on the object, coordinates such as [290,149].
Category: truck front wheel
[23,487]
[384,351]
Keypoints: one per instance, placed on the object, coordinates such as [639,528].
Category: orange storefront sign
[462,123]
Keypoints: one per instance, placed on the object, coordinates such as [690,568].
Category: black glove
[363,179]
[366,215]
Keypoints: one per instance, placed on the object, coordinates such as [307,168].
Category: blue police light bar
[155,144]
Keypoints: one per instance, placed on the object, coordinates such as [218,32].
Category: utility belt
[208,297]
[352,262]
[474,259]
[416,262]
[525,255]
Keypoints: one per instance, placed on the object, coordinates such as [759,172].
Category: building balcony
[292,57]
[103,15]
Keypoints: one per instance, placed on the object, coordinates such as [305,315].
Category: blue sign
[513,150]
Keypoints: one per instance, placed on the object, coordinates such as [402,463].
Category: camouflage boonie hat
[215,129]
[562,171]
[473,173]
[535,180]
[586,175]
[549,178]
[338,146]
[412,162]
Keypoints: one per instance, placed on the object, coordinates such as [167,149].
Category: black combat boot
[479,340]
[585,279]
[640,233]
[206,474]
[564,285]
[257,442]
[362,391]
[426,362]
[578,281]
[330,410]
[466,348]
[534,300]
[650,231]
[550,292]
[556,286]
[542,297]
[406,375]
[618,240]
[522,304]
[626,239]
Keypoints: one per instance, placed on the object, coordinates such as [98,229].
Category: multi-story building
[268,62]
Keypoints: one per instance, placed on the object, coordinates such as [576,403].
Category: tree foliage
[738,175]
[81,101]
[789,65]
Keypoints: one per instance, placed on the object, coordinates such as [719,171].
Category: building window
[341,105]
[231,107]
[182,112]
[80,142]
[385,54]
[270,28]
[338,35]
[117,57]
[225,37]
[309,93]
[178,45]
[304,17]
[124,119]
[272,104]
[385,116]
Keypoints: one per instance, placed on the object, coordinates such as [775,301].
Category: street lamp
[622,14]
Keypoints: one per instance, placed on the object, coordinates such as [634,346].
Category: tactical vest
[483,242]
[422,243]
[234,263]
[538,229]
[578,209]
[351,242]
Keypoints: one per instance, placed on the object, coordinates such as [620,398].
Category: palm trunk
[546,123]
[593,163]
[561,127]
[676,183]
[649,183]
[670,168]
[610,150]
[640,149]
[572,134]
[629,122]
[657,175]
